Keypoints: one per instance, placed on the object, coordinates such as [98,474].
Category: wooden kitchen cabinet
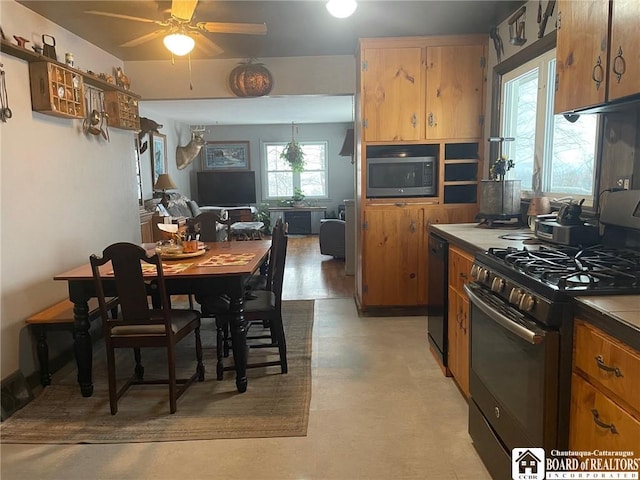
[392,86]
[460,263]
[146,226]
[624,68]
[394,261]
[588,61]
[605,392]
[56,90]
[455,91]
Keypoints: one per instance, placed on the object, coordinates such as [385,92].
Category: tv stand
[302,220]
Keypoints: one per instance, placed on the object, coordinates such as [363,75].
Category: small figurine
[122,80]
[22,42]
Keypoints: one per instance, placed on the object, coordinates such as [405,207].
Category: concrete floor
[380,409]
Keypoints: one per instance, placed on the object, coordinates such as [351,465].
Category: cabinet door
[454,91]
[594,417]
[394,257]
[392,93]
[581,54]
[625,49]
[453,332]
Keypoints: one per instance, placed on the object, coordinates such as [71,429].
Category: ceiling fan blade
[118,15]
[144,38]
[207,46]
[221,27]
[183,9]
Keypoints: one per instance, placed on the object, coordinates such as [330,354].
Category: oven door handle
[524,333]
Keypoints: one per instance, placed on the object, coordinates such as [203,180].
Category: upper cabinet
[593,68]
[422,88]
[624,68]
[393,83]
[454,91]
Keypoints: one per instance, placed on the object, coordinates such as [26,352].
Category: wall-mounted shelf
[70,105]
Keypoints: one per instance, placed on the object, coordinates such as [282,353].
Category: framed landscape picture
[225,156]
[159,162]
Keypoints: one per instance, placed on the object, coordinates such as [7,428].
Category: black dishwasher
[437,297]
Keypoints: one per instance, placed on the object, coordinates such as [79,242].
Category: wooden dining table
[221,274]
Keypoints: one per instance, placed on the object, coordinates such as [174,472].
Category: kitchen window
[554,155]
[280,180]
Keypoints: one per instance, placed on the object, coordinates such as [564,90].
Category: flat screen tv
[227,189]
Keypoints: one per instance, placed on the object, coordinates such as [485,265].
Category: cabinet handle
[432,120]
[597,68]
[619,60]
[414,120]
[601,424]
[559,20]
[413,227]
[606,368]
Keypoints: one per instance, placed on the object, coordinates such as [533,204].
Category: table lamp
[537,206]
[164,183]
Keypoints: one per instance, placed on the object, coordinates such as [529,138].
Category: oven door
[514,368]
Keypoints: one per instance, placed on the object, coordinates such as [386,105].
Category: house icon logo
[527,464]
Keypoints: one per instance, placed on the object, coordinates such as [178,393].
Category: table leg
[82,346]
[239,339]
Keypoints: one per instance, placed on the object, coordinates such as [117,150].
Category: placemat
[148,269]
[224,259]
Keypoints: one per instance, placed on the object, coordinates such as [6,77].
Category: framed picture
[225,156]
[159,162]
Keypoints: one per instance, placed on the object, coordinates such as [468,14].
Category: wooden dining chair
[140,325]
[263,309]
[206,225]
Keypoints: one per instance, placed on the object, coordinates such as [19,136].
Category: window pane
[280,184]
[281,180]
[313,184]
[570,153]
[520,107]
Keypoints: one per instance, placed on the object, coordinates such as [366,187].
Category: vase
[500,198]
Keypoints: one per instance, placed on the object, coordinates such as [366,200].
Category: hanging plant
[293,153]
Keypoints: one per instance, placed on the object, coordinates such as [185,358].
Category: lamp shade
[341,8]
[347,145]
[164,182]
[179,44]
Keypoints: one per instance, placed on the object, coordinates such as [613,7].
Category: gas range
[539,280]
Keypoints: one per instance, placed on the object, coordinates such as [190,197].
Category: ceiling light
[341,8]
[179,44]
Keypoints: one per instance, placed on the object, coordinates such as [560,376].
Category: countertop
[618,315]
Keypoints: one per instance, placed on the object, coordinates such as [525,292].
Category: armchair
[332,237]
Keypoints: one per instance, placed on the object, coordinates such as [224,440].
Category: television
[227,189]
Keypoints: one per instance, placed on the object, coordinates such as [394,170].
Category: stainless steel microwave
[401,177]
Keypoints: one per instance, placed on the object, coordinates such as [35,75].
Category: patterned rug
[274,405]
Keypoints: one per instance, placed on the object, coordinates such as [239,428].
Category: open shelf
[460,171]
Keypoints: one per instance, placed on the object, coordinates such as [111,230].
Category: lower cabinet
[146,226]
[395,260]
[460,263]
[605,392]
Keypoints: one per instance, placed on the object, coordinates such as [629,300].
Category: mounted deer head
[186,154]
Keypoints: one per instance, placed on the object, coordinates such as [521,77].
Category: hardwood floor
[311,275]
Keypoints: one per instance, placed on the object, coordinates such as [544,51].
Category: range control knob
[514,296]
[527,302]
[497,285]
[483,275]
[475,272]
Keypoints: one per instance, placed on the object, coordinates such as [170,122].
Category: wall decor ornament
[226,156]
[250,79]
[159,162]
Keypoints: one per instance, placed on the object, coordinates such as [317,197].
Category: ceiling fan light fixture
[341,8]
[179,43]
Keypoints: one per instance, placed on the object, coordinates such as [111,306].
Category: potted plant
[500,198]
[298,197]
[293,153]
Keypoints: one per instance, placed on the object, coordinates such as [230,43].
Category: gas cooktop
[590,271]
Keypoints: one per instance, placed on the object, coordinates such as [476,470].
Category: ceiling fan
[179,29]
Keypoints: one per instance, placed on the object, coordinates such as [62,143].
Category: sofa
[179,205]
[332,237]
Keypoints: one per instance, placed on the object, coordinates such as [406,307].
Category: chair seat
[180,319]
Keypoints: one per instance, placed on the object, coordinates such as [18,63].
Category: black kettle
[569,214]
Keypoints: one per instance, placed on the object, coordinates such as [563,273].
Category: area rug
[274,405]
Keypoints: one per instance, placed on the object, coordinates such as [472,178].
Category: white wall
[64,195]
